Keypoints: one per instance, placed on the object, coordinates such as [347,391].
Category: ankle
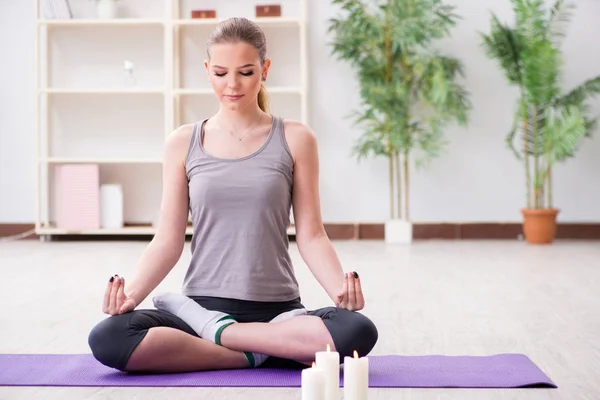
[221,330]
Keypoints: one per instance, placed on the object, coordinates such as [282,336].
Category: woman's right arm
[163,252]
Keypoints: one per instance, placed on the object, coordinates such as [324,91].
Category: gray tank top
[240,212]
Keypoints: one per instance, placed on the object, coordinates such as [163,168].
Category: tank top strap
[278,143]
[194,147]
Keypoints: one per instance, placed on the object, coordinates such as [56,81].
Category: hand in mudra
[351,298]
[115,300]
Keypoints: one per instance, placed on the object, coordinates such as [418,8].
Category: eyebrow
[243,66]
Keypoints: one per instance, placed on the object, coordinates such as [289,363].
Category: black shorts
[114,339]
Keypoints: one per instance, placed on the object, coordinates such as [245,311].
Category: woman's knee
[349,330]
[114,339]
[109,341]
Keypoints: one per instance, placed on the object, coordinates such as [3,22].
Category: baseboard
[349,231]
[456,231]
[16,229]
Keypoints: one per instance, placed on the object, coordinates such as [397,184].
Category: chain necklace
[249,130]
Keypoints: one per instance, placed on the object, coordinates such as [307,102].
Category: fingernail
[355,274]
[112,278]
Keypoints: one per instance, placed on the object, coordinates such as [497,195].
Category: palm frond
[372,142]
[531,20]
[560,16]
[541,67]
[502,44]
[510,137]
[580,94]
[430,141]
[564,133]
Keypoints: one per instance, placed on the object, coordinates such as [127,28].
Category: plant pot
[106,9]
[398,231]
[539,225]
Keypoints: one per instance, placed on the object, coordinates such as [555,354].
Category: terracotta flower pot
[539,225]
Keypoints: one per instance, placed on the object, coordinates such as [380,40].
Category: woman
[238,172]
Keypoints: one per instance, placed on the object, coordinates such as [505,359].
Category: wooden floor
[434,297]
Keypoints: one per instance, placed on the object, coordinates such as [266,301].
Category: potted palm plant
[549,125]
[409,90]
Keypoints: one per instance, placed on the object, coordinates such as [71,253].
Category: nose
[233,81]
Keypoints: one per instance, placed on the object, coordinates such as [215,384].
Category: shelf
[56,160]
[263,21]
[101,91]
[88,113]
[274,89]
[101,22]
[127,230]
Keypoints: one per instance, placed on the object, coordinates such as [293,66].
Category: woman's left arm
[313,243]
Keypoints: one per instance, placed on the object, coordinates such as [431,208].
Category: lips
[234,96]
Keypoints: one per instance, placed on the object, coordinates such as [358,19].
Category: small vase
[111,206]
[398,231]
[106,9]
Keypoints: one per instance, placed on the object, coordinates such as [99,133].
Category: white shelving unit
[89,112]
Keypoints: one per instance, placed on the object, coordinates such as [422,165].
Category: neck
[238,119]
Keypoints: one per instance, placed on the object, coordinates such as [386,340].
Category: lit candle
[313,383]
[356,377]
[329,362]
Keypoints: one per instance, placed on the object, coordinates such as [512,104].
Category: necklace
[249,130]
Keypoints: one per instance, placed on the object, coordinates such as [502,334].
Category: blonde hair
[238,29]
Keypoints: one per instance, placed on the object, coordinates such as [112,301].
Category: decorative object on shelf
[106,9]
[130,80]
[406,108]
[77,197]
[202,14]
[550,124]
[269,10]
[111,206]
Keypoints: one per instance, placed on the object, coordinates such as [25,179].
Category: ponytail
[263,99]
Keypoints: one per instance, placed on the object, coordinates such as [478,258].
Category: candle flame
[314,364]
[355,354]
[328,347]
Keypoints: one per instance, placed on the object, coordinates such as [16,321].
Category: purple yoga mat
[497,371]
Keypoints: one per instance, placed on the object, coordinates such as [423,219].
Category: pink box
[77,196]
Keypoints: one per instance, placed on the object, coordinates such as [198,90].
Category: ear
[207,65]
[265,68]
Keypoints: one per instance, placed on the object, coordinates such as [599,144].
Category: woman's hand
[115,300]
[351,298]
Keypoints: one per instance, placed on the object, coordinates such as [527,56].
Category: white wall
[477,179]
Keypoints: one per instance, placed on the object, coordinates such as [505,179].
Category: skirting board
[351,231]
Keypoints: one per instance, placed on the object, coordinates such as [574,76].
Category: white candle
[313,383]
[329,362]
[356,377]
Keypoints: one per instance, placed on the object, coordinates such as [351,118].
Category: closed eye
[249,73]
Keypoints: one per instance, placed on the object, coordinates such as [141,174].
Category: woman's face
[235,73]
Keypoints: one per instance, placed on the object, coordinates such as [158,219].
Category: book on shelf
[56,9]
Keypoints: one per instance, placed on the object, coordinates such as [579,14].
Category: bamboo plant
[548,125]
[409,90]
